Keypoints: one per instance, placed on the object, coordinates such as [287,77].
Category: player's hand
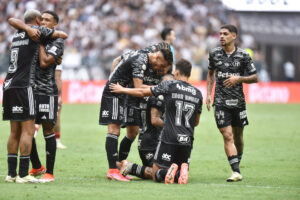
[58,61]
[231,81]
[116,88]
[34,34]
[208,102]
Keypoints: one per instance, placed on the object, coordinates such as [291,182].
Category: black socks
[160,175]
[124,148]
[34,156]
[50,152]
[138,171]
[12,160]
[234,163]
[111,146]
[24,166]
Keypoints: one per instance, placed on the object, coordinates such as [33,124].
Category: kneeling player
[183,105]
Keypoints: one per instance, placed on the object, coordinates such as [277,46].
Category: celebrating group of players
[145,92]
[30,94]
[167,120]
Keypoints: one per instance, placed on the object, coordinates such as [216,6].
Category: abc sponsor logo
[105,113]
[166,157]
[17,109]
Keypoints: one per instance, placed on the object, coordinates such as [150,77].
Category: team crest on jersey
[144,67]
[183,139]
[236,64]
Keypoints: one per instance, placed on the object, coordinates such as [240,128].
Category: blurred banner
[273,92]
[263,5]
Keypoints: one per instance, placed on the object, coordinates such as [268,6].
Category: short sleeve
[249,65]
[138,66]
[161,89]
[211,64]
[199,110]
[59,67]
[156,102]
[46,33]
[56,48]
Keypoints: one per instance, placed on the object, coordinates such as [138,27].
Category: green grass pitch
[270,166]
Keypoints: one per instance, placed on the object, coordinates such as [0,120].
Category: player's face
[172,37]
[226,37]
[48,21]
[159,65]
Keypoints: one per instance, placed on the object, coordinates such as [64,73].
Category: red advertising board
[273,92]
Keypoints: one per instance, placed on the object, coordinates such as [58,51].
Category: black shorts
[147,157]
[166,154]
[46,109]
[111,111]
[230,116]
[18,104]
[132,116]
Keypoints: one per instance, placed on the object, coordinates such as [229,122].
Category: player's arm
[137,92]
[233,80]
[209,84]
[156,118]
[33,33]
[47,59]
[138,83]
[197,119]
[115,63]
[58,80]
[59,34]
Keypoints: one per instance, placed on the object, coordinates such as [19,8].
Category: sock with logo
[111,146]
[138,171]
[234,163]
[124,148]
[160,175]
[50,152]
[24,166]
[34,156]
[12,161]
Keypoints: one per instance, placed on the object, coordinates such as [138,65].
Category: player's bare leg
[27,133]
[111,146]
[12,150]
[231,153]
[238,141]
[125,145]
[57,129]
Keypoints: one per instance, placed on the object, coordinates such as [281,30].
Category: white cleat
[10,179]
[235,177]
[59,145]
[26,179]
[126,167]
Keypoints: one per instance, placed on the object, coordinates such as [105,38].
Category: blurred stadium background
[100,30]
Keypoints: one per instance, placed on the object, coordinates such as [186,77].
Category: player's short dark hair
[231,28]
[168,55]
[165,32]
[170,76]
[184,67]
[55,16]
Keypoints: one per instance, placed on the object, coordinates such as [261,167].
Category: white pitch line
[204,184]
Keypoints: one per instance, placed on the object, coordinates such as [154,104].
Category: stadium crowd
[100,30]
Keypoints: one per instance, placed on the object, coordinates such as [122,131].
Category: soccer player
[183,105]
[227,65]
[58,80]
[18,96]
[152,110]
[168,36]
[130,71]
[46,94]
[132,114]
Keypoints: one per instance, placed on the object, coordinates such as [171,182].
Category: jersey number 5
[188,108]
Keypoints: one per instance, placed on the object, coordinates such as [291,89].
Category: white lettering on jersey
[17,109]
